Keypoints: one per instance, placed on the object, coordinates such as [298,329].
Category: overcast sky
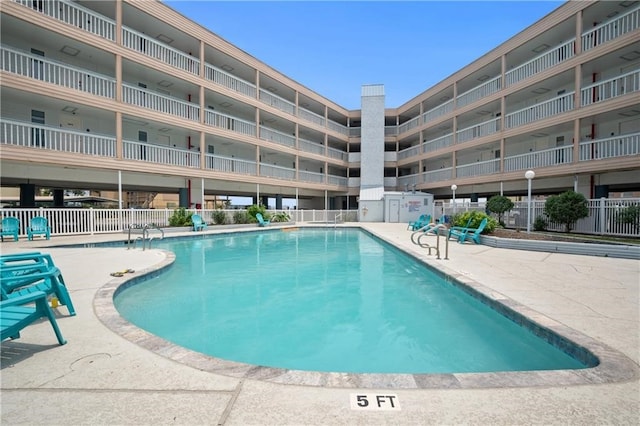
[333,48]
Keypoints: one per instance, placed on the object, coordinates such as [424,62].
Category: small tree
[630,215]
[499,204]
[180,217]
[566,208]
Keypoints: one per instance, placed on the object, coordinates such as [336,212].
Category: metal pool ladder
[145,238]
[426,245]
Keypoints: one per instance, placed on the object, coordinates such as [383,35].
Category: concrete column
[27,195]
[278,201]
[58,198]
[183,197]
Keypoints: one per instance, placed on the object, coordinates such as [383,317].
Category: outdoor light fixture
[530,174]
[453,188]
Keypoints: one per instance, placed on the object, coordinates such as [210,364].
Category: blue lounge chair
[198,223]
[38,226]
[10,228]
[422,221]
[14,315]
[261,221]
[463,234]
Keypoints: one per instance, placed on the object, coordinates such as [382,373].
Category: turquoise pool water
[327,300]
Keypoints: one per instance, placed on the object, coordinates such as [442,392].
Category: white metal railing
[132,150]
[538,159]
[388,131]
[611,29]
[446,173]
[337,127]
[487,88]
[611,88]
[151,47]
[55,139]
[486,167]
[309,146]
[275,136]
[307,176]
[227,122]
[390,181]
[58,73]
[337,180]
[338,154]
[478,130]
[408,181]
[409,152]
[549,108]
[438,111]
[615,146]
[280,172]
[354,132]
[541,62]
[310,116]
[229,81]
[277,102]
[73,14]
[408,125]
[230,165]
[438,143]
[147,99]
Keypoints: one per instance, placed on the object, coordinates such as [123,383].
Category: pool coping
[613,367]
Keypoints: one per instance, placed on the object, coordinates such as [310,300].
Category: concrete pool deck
[99,377]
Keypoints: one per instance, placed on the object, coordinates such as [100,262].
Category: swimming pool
[327,300]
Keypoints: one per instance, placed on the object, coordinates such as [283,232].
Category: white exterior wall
[372,137]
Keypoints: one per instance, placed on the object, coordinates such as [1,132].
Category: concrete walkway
[101,377]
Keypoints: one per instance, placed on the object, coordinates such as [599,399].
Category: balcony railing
[151,47]
[408,181]
[309,146]
[230,165]
[73,14]
[50,71]
[616,146]
[337,180]
[275,136]
[438,111]
[228,122]
[612,29]
[337,127]
[549,108]
[354,132]
[479,92]
[388,131]
[611,88]
[541,62]
[409,152]
[479,168]
[408,125]
[147,99]
[55,139]
[277,172]
[478,130]
[132,150]
[277,102]
[307,176]
[439,143]
[337,154]
[538,159]
[437,175]
[229,81]
[311,116]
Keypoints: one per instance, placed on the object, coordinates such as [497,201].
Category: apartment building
[131,96]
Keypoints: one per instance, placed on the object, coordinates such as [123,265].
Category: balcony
[542,62]
[75,15]
[549,108]
[277,102]
[158,154]
[337,154]
[611,88]
[230,165]
[271,135]
[438,111]
[229,81]
[307,176]
[488,88]
[311,116]
[409,152]
[151,47]
[338,180]
[408,181]
[308,146]
[538,159]
[278,172]
[228,122]
[617,146]
[478,130]
[478,168]
[408,125]
[611,30]
[145,98]
[438,143]
[439,175]
[337,127]
[58,73]
[31,135]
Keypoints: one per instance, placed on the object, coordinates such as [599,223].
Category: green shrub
[219,217]
[540,224]
[476,217]
[180,217]
[566,208]
[630,215]
[241,217]
[280,217]
[253,210]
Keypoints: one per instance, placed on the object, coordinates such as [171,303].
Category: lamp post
[530,174]
[453,188]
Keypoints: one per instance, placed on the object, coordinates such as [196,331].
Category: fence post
[92,220]
[603,218]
